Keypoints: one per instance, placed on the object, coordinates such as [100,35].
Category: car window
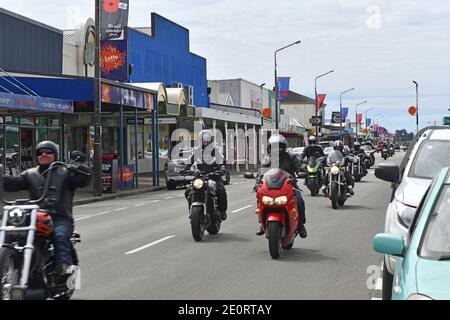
[436,242]
[432,156]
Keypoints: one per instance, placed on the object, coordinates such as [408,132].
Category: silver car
[410,182]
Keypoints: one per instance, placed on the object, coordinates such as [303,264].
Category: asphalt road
[142,248]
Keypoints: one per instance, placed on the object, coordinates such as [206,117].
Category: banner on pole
[320,101]
[344,114]
[283,88]
[113,18]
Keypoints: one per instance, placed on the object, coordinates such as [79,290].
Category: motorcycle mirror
[302,175]
[78,156]
[249,175]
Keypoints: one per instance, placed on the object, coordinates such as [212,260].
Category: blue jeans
[301,206]
[62,233]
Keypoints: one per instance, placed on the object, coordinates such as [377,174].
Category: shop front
[24,122]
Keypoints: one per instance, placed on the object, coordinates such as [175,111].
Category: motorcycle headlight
[198,183]
[405,214]
[417,296]
[281,200]
[335,170]
[311,169]
[16,217]
[267,200]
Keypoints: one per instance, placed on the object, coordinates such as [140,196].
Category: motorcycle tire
[214,227]
[274,235]
[334,196]
[197,226]
[9,273]
[313,187]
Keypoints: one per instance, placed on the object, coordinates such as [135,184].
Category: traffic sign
[316,121]
[336,117]
[447,121]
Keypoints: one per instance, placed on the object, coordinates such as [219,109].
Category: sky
[377,47]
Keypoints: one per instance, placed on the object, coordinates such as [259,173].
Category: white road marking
[102,213]
[168,198]
[83,218]
[379,284]
[242,209]
[139,204]
[154,201]
[376,299]
[149,245]
[120,209]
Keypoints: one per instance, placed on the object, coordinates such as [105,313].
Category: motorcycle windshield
[335,156]
[275,178]
[312,161]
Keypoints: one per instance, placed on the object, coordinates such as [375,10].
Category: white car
[410,181]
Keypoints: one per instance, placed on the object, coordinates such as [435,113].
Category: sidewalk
[85,195]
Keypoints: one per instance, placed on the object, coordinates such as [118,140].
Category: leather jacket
[311,150]
[63,182]
[289,162]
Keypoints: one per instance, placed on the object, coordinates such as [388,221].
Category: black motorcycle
[385,153]
[337,185]
[27,257]
[203,204]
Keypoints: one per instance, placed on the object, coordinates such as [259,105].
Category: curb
[117,196]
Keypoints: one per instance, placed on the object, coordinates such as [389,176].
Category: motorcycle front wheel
[334,196]
[9,274]
[274,235]
[197,226]
[313,187]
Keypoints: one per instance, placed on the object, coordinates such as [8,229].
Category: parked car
[177,175]
[410,181]
[397,146]
[325,144]
[422,271]
[379,146]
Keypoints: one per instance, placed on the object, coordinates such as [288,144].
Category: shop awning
[177,102]
[158,87]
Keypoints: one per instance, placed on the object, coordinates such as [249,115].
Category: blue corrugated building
[162,54]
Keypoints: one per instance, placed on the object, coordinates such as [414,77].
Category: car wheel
[388,280]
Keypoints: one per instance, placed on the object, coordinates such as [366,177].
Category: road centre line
[120,209]
[149,245]
[242,209]
[102,213]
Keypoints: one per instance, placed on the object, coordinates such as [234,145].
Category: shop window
[27,121]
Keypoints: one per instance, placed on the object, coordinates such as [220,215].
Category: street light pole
[356,117]
[276,84]
[340,106]
[417,105]
[317,106]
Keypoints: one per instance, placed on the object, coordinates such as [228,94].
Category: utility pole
[97,107]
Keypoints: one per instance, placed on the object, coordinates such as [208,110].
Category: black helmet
[48,145]
[206,137]
[312,140]
[338,145]
[277,141]
[357,146]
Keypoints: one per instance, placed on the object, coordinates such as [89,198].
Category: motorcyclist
[208,157]
[357,150]
[289,162]
[339,147]
[59,201]
[313,149]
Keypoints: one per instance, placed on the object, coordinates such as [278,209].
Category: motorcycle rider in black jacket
[59,200]
[211,159]
[312,149]
[290,163]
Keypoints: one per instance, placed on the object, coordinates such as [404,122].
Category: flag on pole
[283,88]
[344,114]
[320,101]
[359,117]
[368,122]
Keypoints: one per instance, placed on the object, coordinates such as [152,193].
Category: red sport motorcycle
[277,208]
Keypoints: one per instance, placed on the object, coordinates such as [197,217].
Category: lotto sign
[113,18]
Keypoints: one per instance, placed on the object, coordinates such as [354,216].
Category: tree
[403,136]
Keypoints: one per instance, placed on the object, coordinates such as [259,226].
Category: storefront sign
[23,102]
[167,121]
[123,96]
[113,18]
[114,61]
[336,117]
[132,121]
[107,173]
